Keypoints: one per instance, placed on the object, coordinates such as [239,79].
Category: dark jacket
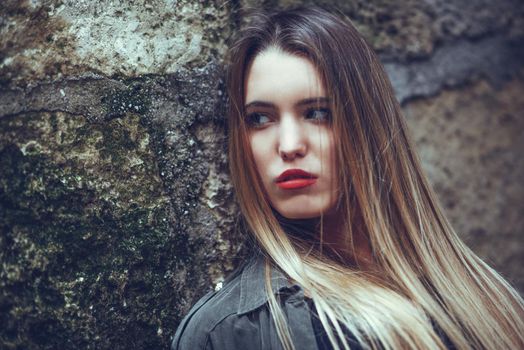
[237,316]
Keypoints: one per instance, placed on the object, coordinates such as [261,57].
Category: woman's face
[288,118]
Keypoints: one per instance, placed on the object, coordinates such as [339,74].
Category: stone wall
[116,211]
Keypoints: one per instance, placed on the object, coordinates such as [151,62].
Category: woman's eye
[319,115]
[257,119]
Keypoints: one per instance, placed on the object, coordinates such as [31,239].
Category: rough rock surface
[116,211]
[470,141]
[48,40]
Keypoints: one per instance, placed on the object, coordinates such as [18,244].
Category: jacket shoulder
[194,330]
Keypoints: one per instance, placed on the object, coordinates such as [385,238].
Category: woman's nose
[292,140]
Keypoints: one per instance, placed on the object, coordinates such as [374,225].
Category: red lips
[295,179]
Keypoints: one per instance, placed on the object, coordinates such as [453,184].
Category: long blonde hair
[427,278]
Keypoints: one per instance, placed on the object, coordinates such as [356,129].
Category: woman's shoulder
[194,330]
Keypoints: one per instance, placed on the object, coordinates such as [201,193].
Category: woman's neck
[338,243]
[335,239]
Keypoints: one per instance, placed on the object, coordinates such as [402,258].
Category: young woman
[354,250]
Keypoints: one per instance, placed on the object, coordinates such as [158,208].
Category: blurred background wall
[116,212]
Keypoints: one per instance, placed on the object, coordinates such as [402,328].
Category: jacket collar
[252,286]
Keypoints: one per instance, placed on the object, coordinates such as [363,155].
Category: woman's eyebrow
[259,104]
[306,101]
[313,100]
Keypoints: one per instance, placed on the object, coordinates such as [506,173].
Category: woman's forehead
[274,74]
